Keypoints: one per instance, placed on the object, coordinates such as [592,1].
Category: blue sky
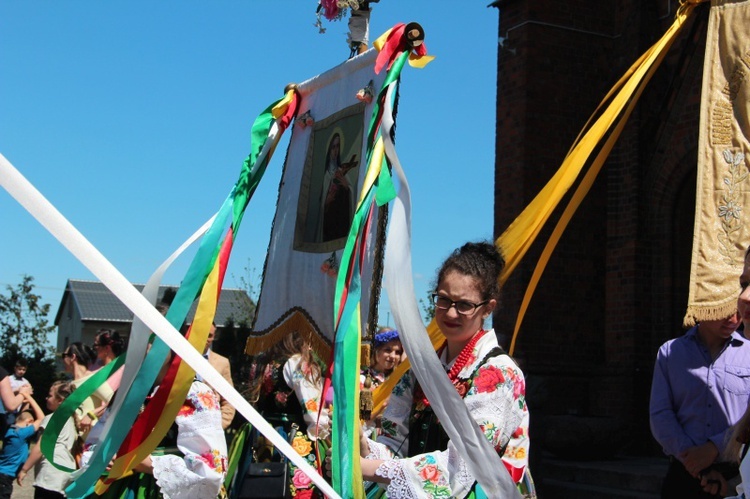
[133,119]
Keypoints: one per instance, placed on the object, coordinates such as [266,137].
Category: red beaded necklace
[461,360]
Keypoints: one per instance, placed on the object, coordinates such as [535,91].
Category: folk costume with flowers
[287,395]
[190,462]
[419,459]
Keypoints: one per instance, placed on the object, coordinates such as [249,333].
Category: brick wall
[616,286]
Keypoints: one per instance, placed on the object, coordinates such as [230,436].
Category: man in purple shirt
[700,388]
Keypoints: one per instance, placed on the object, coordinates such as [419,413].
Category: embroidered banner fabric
[722,211]
[323,175]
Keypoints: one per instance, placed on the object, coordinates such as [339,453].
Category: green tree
[250,282]
[24,327]
[428,308]
[24,331]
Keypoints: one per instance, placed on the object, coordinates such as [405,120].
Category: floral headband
[384,337]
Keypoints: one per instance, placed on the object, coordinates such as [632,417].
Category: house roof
[97,303]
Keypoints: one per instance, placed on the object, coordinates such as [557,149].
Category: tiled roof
[96,303]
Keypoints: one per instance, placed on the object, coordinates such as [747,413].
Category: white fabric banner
[323,175]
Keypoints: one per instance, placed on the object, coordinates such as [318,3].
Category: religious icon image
[328,192]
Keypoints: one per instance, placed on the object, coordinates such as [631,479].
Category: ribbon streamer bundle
[131,438]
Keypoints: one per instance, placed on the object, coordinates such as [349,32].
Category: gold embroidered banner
[722,212]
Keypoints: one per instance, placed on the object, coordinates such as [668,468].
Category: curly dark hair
[480,260]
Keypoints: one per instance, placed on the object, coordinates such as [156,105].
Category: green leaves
[24,327]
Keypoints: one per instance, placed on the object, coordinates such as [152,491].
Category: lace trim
[170,476]
[379,451]
[462,473]
[399,486]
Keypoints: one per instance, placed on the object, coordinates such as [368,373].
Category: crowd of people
[287,385]
[699,408]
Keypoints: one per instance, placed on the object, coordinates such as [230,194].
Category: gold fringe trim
[364,355]
[295,319]
[697,313]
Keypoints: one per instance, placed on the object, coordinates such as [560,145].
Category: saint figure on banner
[337,193]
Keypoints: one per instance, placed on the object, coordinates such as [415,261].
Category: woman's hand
[364,443]
[84,425]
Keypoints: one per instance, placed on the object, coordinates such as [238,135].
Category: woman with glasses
[413,457]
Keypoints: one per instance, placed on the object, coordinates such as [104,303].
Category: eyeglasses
[462,307]
[67,354]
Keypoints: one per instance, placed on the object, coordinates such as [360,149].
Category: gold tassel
[364,355]
[365,400]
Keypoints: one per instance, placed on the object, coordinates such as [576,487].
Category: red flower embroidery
[461,387]
[281,398]
[488,380]
[430,473]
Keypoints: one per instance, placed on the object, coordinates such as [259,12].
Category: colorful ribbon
[377,188]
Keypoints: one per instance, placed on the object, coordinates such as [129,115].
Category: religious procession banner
[321,182]
[722,212]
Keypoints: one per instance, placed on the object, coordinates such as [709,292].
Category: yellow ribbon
[515,241]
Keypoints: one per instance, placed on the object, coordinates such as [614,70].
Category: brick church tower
[616,287]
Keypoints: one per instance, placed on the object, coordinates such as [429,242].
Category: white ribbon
[454,416]
[47,215]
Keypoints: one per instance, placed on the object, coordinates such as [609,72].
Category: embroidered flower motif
[305,119]
[300,480]
[281,399]
[388,427]
[430,473]
[366,94]
[312,405]
[303,493]
[462,386]
[433,481]
[214,460]
[208,400]
[187,408]
[331,266]
[302,445]
[519,387]
[488,380]
[730,210]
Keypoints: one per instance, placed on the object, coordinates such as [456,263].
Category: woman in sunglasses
[490,383]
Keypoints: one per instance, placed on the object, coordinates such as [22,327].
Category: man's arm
[665,427]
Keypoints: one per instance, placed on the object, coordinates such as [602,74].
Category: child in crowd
[16,445]
[50,482]
[17,380]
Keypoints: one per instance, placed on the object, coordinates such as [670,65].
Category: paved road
[27,491]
